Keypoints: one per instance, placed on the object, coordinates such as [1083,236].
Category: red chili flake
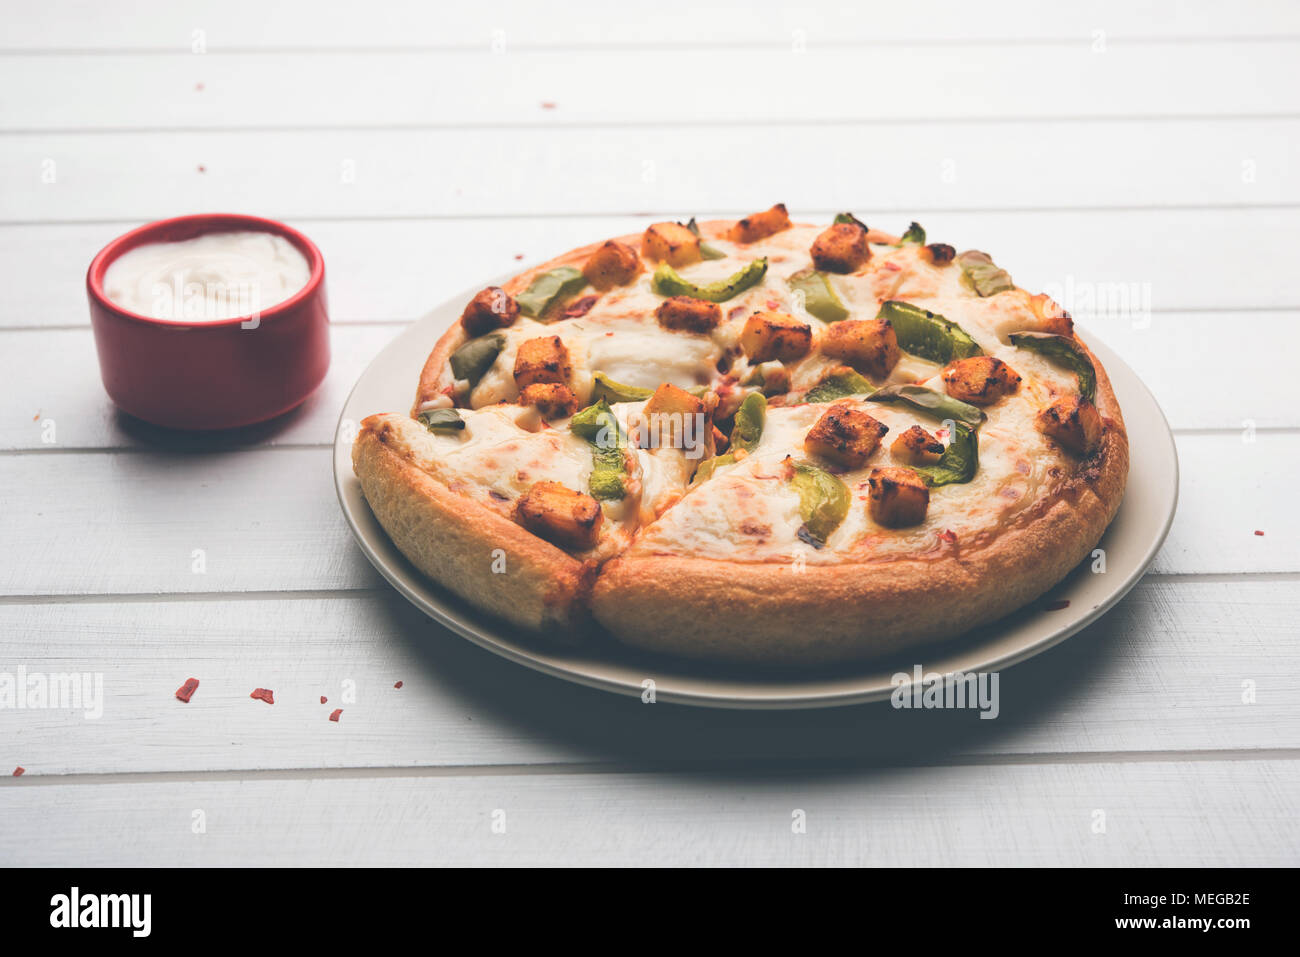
[773,304]
[202,168]
[1057,605]
[1259,533]
[186,691]
[323,699]
[548,105]
[334,715]
[398,685]
[19,771]
[519,255]
[893,267]
[941,433]
[264,694]
[198,87]
[580,307]
[948,535]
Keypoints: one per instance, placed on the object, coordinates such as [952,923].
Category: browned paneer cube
[898,497]
[938,253]
[686,314]
[775,335]
[1074,422]
[671,243]
[493,308]
[1052,316]
[613,264]
[869,345]
[917,447]
[552,400]
[544,359]
[980,380]
[560,515]
[845,436]
[664,417]
[758,226]
[841,248]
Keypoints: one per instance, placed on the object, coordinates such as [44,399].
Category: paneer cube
[775,335]
[493,308]
[671,243]
[613,264]
[686,314]
[917,447]
[938,254]
[869,345]
[551,399]
[841,248]
[1074,422]
[758,226]
[673,418]
[544,359]
[845,436]
[897,497]
[980,380]
[560,515]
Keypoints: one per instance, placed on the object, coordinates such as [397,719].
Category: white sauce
[208,278]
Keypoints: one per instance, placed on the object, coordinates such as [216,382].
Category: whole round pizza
[753,441]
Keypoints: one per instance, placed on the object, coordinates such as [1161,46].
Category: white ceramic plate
[1130,544]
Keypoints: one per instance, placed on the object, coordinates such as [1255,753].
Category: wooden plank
[396,270]
[1155,813]
[1123,685]
[53,376]
[80,523]
[950,166]
[181,90]
[299,25]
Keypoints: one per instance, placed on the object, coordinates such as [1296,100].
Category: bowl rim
[204,223]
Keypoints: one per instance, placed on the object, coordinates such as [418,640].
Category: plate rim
[793,699]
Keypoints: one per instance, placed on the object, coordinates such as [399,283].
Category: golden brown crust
[455,541]
[736,611]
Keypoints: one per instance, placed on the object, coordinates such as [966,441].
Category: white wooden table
[1121,155]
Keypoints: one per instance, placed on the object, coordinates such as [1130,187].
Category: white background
[1125,150]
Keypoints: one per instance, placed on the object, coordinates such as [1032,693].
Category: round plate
[1130,544]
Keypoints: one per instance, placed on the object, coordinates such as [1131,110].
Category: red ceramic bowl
[216,374]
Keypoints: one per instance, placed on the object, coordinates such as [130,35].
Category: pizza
[753,441]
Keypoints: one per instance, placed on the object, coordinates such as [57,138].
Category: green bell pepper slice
[915,236]
[442,420]
[666,282]
[982,274]
[823,501]
[1063,350]
[548,287]
[937,405]
[959,461]
[599,427]
[819,296]
[747,428]
[927,334]
[838,386]
[475,357]
[603,387]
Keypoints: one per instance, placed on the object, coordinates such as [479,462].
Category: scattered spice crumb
[1057,605]
[334,715]
[198,87]
[202,168]
[186,691]
[1259,533]
[323,699]
[398,685]
[519,255]
[948,535]
[19,771]
[547,105]
[263,694]
[36,416]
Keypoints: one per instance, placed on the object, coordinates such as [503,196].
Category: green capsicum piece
[915,236]
[928,334]
[937,405]
[819,297]
[706,251]
[838,385]
[475,357]
[548,287]
[709,466]
[598,426]
[747,429]
[823,501]
[850,218]
[959,461]
[666,282]
[603,387]
[1063,350]
[983,274]
[442,420]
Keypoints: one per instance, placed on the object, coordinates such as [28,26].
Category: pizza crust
[732,610]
